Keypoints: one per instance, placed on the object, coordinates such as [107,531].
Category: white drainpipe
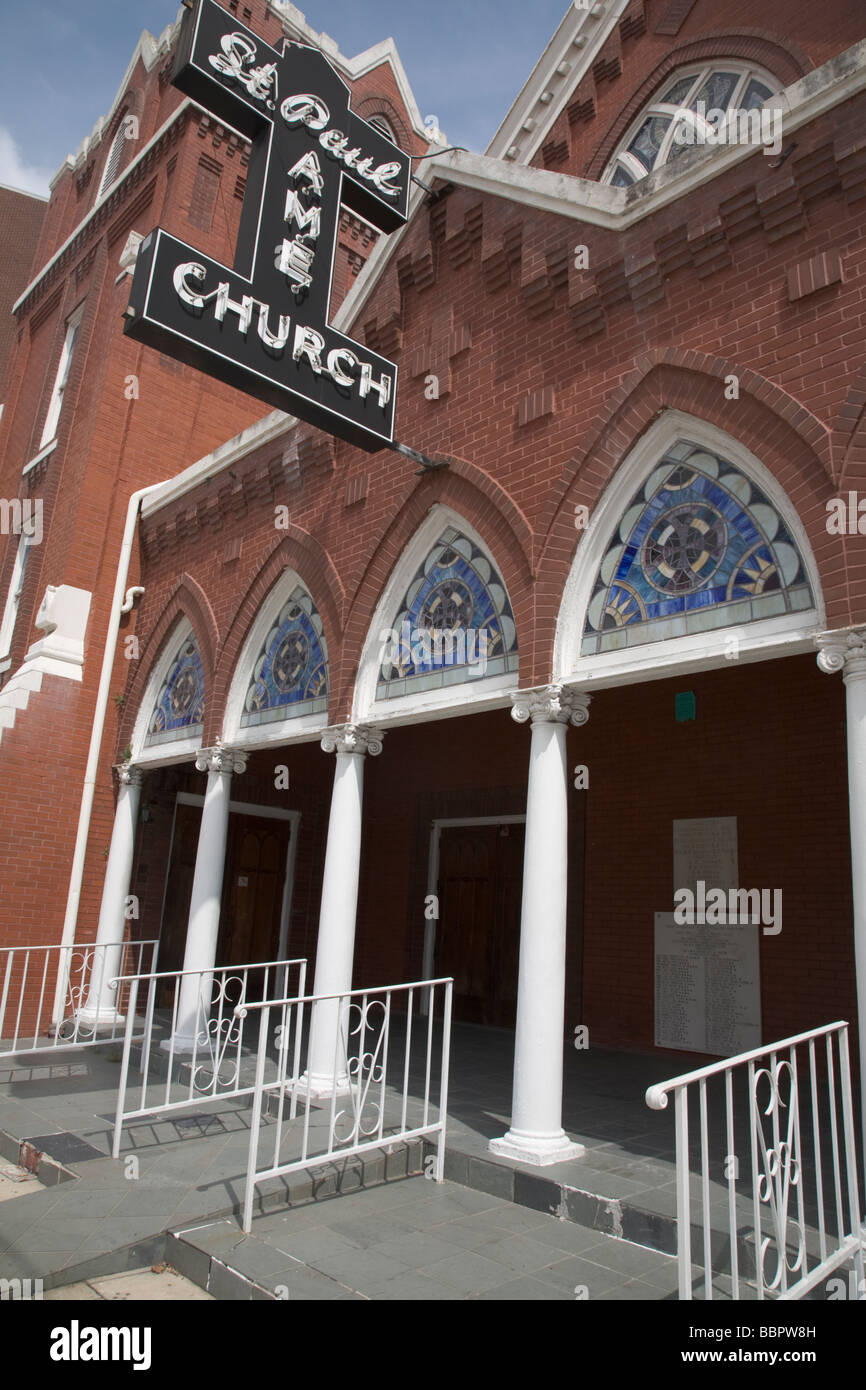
[102,696]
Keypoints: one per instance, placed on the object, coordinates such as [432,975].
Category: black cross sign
[263,325]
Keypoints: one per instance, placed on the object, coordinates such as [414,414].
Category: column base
[317,1087]
[100,1020]
[183,1046]
[538,1149]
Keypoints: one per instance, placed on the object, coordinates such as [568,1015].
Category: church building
[568,701]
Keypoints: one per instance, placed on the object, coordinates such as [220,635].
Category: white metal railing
[94,1011]
[362,1035]
[792,1206]
[200,1041]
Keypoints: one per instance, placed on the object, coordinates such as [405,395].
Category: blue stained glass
[290,674]
[455,622]
[179,709]
[695,545]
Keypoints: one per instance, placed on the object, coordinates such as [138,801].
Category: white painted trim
[180,750]
[251,808]
[436,828]
[242,808]
[43,454]
[469,696]
[581,35]
[277,731]
[185,105]
[780,636]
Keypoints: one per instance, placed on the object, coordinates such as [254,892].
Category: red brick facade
[547,376]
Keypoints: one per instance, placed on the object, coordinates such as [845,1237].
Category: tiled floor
[415,1240]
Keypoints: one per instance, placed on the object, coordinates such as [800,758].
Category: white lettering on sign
[340,364]
[234,61]
[305,109]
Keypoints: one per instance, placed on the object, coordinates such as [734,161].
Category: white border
[758,640]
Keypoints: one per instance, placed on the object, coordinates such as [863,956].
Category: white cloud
[15,172]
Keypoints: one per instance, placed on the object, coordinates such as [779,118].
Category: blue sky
[61,64]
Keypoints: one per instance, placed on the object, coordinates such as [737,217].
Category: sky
[61,64]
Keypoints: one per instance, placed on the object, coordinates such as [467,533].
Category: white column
[207,886]
[100,1008]
[846,652]
[536,1134]
[335,949]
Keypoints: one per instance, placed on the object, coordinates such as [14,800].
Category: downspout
[102,695]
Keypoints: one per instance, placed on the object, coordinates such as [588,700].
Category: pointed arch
[443,632]
[299,554]
[187,608]
[281,679]
[740,560]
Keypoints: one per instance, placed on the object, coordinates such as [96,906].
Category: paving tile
[357,1268]
[81,1293]
[630,1260]
[375,1229]
[417,1248]
[468,1272]
[575,1272]
[314,1244]
[520,1252]
[412,1287]
[143,1285]
[524,1290]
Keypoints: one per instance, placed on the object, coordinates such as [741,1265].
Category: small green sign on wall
[684,705]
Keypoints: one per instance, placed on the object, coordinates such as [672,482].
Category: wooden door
[478,931]
[253,889]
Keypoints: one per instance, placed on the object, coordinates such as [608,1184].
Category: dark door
[478,931]
[252,889]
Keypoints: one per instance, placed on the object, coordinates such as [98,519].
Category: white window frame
[113,161]
[55,404]
[16,586]
[748,72]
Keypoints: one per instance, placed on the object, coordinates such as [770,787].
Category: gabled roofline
[578,199]
[295,23]
[150,50]
[563,64]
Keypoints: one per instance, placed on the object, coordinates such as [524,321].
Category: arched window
[701,547]
[178,712]
[290,673]
[455,622]
[380,123]
[686,111]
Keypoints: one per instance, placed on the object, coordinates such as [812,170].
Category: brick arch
[296,550]
[186,600]
[850,433]
[383,106]
[786,61]
[489,509]
[792,445]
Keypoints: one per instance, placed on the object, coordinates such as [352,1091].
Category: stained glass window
[676,119]
[455,623]
[700,547]
[290,675]
[179,709]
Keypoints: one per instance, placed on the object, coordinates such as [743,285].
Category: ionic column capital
[222,760]
[550,704]
[353,738]
[843,651]
[128,775]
